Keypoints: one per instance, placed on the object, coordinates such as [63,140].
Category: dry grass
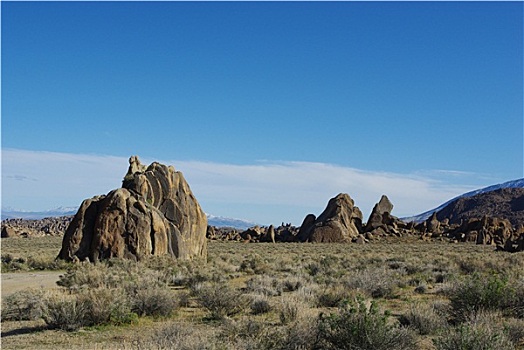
[276,295]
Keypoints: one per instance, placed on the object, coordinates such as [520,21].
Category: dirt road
[14,282]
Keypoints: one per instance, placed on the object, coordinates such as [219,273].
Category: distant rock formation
[341,221]
[53,226]
[154,213]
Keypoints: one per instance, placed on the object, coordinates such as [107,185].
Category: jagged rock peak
[379,213]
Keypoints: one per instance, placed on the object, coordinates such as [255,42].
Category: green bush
[357,327]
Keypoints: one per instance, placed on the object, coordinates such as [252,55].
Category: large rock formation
[154,213]
[341,221]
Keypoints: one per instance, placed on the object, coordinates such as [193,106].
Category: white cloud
[266,192]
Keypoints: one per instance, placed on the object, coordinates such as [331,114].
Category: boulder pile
[53,226]
[154,213]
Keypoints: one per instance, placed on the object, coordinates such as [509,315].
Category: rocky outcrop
[486,230]
[382,224]
[154,213]
[341,221]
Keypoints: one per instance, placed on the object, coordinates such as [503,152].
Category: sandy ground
[14,282]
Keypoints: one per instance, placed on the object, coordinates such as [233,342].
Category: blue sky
[263,95]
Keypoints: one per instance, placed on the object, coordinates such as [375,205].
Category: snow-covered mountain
[10,213]
[510,184]
[220,221]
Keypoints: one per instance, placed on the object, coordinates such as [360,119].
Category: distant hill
[506,203]
[510,184]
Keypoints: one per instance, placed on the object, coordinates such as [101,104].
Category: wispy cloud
[20,178]
[267,192]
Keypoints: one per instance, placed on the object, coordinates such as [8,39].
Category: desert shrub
[308,293]
[114,273]
[514,329]
[517,304]
[67,313]
[356,326]
[478,293]
[424,319]
[184,298]
[89,275]
[474,336]
[326,268]
[87,308]
[289,310]
[107,306]
[333,296]
[256,335]
[178,336]
[376,282]
[248,334]
[153,301]
[292,283]
[265,285]
[421,288]
[260,305]
[40,263]
[23,306]
[189,278]
[10,263]
[301,334]
[220,300]
[254,264]
[396,263]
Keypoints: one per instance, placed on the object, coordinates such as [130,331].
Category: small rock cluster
[255,234]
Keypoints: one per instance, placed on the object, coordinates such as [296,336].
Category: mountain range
[425,215]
